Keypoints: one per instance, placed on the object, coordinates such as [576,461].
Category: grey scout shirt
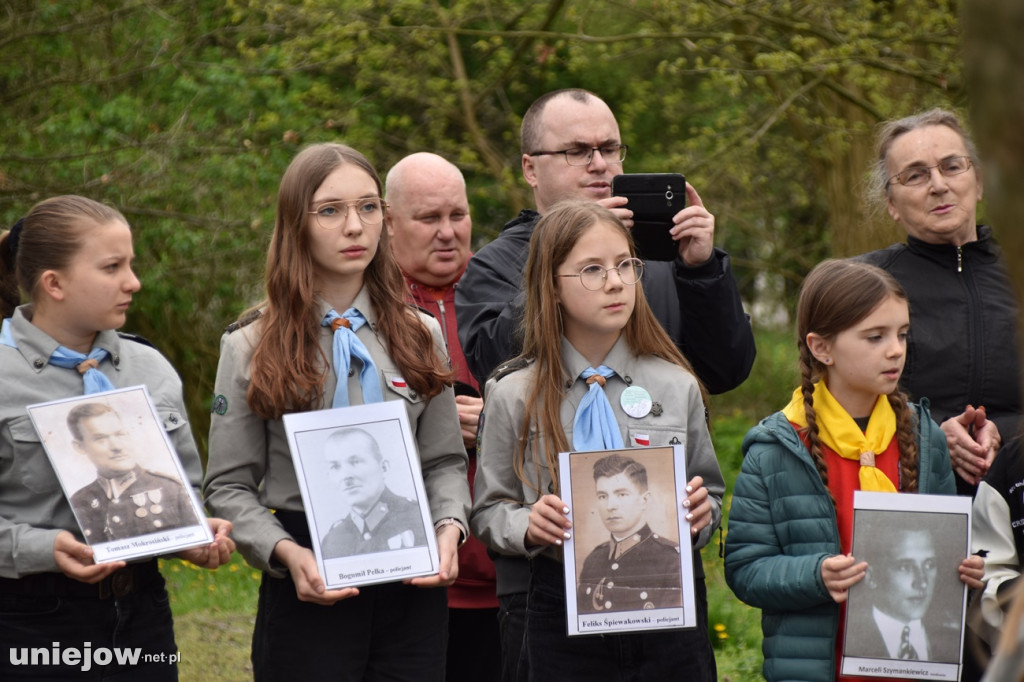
[501,509]
[33,509]
[250,470]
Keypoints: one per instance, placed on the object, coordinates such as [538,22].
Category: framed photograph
[121,474]
[905,619]
[629,561]
[362,487]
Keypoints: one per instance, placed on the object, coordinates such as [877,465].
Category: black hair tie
[11,243]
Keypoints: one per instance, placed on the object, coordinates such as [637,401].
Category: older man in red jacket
[429,224]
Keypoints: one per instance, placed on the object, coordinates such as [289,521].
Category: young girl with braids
[588,318]
[334,331]
[848,427]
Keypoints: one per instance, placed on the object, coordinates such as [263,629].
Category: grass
[214,610]
[213,618]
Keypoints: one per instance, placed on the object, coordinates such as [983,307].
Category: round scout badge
[636,401]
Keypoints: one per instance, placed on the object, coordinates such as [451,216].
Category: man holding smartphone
[571,150]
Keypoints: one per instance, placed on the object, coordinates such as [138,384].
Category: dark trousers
[631,657]
[47,612]
[512,629]
[474,651]
[389,632]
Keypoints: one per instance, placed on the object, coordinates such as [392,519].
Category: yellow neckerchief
[837,430]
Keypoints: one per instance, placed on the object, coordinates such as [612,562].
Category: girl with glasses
[588,331]
[333,287]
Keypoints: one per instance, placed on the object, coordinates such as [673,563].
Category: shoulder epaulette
[513,365]
[243,321]
[422,310]
[137,339]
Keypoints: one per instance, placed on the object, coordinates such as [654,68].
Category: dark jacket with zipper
[963,345]
[699,307]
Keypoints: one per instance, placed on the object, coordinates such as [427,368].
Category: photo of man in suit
[635,568]
[379,519]
[894,619]
[125,500]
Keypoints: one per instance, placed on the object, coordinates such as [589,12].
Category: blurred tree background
[184,114]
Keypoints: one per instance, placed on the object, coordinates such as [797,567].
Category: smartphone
[654,198]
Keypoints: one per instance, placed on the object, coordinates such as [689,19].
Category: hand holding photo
[624,561]
[118,469]
[905,619]
[361,484]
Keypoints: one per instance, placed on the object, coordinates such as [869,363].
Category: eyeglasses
[918,175]
[582,156]
[333,215]
[593,277]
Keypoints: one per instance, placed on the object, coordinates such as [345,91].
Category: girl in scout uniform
[847,427]
[584,318]
[329,259]
[72,256]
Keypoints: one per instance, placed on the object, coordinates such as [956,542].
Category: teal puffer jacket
[782,526]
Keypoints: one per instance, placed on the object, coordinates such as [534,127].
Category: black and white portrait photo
[362,489]
[909,607]
[378,518]
[120,474]
[125,499]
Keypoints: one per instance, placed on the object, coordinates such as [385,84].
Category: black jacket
[699,307]
[963,346]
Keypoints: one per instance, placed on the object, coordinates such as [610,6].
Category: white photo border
[957,511]
[371,568]
[50,419]
[664,618]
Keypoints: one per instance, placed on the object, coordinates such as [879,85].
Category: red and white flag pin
[398,382]
[641,439]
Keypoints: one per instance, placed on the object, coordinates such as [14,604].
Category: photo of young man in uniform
[635,568]
[379,519]
[125,500]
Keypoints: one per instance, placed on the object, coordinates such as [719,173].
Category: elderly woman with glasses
[963,350]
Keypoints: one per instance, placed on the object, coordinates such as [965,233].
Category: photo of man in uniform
[379,519]
[635,568]
[125,500]
[892,618]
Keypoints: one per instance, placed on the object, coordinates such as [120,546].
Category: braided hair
[836,295]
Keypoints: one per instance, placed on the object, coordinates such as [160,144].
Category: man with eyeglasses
[571,150]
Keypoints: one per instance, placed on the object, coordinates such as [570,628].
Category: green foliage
[184,114]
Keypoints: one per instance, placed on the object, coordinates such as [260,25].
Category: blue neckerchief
[94,380]
[346,346]
[594,427]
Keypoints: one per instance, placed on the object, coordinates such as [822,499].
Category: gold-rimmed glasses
[332,214]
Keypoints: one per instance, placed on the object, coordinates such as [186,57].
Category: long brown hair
[836,295]
[51,234]
[554,237]
[288,366]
